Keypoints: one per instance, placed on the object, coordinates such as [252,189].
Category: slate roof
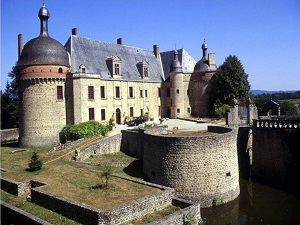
[186,60]
[93,55]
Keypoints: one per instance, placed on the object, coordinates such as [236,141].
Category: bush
[82,130]
[221,111]
[34,164]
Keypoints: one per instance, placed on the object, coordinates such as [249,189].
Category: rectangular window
[60,94]
[131,112]
[145,71]
[117,92]
[189,110]
[187,92]
[177,91]
[168,92]
[103,117]
[141,93]
[159,110]
[178,110]
[91,114]
[146,93]
[130,92]
[159,92]
[102,90]
[117,69]
[91,92]
[142,112]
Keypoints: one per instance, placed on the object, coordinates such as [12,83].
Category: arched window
[60,70]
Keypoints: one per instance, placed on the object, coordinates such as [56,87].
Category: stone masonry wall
[106,145]
[8,135]
[276,154]
[202,168]
[13,187]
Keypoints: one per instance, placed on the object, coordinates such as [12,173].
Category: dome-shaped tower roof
[43,50]
[176,65]
[203,64]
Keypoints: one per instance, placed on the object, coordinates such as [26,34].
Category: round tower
[42,68]
[177,96]
[199,83]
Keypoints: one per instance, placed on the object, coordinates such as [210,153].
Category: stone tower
[200,83]
[177,88]
[42,68]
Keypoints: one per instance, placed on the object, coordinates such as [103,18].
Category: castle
[93,80]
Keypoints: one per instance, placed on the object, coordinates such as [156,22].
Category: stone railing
[282,123]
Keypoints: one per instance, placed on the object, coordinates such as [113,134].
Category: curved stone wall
[200,168]
[42,115]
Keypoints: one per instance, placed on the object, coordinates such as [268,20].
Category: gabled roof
[94,54]
[186,60]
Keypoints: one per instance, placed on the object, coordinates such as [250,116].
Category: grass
[69,179]
[151,217]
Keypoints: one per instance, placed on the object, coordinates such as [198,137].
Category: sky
[264,35]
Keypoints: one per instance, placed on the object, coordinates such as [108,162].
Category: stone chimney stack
[120,41]
[74,31]
[20,44]
[211,59]
[156,51]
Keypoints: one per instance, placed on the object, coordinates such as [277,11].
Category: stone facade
[9,135]
[276,153]
[203,169]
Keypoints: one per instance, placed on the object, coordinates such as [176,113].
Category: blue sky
[264,35]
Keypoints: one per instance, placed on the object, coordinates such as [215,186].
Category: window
[83,70]
[187,92]
[59,91]
[177,91]
[103,117]
[159,110]
[117,92]
[60,70]
[91,114]
[178,110]
[145,71]
[189,110]
[91,92]
[159,92]
[141,93]
[117,69]
[131,111]
[130,92]
[146,94]
[168,92]
[102,90]
[142,112]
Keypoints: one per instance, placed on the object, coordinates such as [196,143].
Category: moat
[258,204]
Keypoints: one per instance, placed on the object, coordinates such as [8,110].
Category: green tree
[9,103]
[288,108]
[34,164]
[230,81]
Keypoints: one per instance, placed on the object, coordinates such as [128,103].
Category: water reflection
[257,204]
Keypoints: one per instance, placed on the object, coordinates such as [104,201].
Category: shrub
[34,164]
[221,111]
[82,130]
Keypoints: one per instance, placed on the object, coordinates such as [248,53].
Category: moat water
[258,204]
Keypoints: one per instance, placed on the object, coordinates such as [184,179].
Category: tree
[34,164]
[230,81]
[9,103]
[288,108]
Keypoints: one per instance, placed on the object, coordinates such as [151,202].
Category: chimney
[211,59]
[119,41]
[156,51]
[74,31]
[20,44]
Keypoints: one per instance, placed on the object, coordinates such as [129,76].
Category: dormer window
[114,65]
[82,68]
[143,68]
